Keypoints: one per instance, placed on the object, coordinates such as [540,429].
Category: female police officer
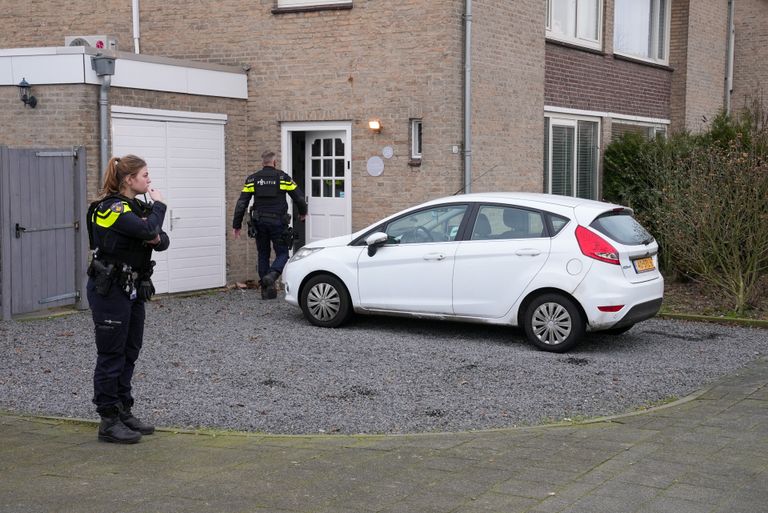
[124,231]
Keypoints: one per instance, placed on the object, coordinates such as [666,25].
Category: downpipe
[468,97]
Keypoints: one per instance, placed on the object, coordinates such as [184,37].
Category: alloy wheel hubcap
[323,302]
[551,323]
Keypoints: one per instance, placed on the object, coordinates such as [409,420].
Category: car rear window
[623,228]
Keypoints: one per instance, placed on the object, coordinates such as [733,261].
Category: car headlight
[303,253]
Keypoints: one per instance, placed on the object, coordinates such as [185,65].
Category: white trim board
[72,65]
[612,115]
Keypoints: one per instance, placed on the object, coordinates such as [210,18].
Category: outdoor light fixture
[375,126]
[24,94]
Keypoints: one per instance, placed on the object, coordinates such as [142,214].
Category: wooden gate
[44,240]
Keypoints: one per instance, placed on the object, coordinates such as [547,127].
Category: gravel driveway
[230,360]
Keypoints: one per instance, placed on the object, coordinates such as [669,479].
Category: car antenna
[477,178]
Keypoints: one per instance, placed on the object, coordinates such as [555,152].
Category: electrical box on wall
[97,42]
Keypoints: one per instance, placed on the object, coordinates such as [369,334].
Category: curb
[731,321]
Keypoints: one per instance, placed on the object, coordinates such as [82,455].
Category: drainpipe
[468,97]
[136,32]
[104,66]
[729,58]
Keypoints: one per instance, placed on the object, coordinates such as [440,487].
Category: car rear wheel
[552,322]
[325,301]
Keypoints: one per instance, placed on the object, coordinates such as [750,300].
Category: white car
[556,266]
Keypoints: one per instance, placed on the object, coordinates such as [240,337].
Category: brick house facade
[399,62]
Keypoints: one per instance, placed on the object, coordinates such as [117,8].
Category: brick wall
[508,95]
[678,60]
[705,83]
[65,116]
[584,80]
[750,77]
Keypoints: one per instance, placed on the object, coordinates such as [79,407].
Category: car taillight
[610,308]
[594,246]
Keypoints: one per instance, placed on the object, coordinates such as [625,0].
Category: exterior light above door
[375,126]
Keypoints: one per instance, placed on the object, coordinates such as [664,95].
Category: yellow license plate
[643,265]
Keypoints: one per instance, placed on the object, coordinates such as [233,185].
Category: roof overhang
[72,65]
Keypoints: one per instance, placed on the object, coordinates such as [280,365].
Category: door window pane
[497,222]
[339,148]
[327,147]
[315,167]
[327,167]
[316,148]
[316,189]
[340,167]
[339,193]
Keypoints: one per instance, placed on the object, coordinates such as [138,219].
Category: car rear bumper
[639,313]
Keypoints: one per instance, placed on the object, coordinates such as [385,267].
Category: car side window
[437,224]
[499,222]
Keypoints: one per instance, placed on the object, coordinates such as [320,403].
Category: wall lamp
[375,126]
[24,93]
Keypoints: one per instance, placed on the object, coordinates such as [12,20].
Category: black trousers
[119,328]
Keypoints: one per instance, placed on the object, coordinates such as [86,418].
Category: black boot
[133,423]
[268,289]
[113,430]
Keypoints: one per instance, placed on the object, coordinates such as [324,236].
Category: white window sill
[572,41]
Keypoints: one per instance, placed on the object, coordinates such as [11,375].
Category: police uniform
[118,285]
[269,220]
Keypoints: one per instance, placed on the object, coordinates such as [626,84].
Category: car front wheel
[552,322]
[325,301]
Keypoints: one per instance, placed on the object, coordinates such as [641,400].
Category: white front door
[186,163]
[327,184]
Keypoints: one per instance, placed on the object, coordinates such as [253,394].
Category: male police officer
[269,218]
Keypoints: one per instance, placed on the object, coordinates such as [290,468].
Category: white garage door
[185,155]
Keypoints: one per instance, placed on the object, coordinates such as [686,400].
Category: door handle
[172,218]
[528,252]
[19,230]
[434,256]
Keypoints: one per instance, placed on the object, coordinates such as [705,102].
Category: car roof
[552,199]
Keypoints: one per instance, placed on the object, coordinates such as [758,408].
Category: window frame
[288,6]
[417,143]
[654,36]
[596,44]
[570,120]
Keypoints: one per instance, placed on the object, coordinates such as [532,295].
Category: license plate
[643,265]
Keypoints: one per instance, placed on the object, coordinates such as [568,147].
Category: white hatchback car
[556,266]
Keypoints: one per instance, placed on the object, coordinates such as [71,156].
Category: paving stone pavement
[706,453]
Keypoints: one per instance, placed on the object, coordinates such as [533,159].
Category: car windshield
[623,228]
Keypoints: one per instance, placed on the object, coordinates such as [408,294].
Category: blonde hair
[118,169]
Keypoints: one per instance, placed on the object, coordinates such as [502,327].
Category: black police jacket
[268,188]
[121,227]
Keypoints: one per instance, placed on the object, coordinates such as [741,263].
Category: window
[438,224]
[497,222]
[575,21]
[641,29]
[647,131]
[290,4]
[416,127]
[571,152]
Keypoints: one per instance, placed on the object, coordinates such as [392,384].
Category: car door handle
[528,252]
[434,256]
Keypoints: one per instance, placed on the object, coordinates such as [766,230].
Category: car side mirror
[374,241]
